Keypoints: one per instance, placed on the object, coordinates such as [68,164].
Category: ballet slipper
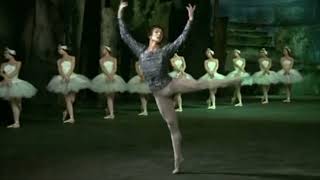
[177,164]
[239,105]
[71,121]
[212,107]
[179,110]
[144,113]
[109,117]
[14,126]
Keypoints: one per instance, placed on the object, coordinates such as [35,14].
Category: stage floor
[255,142]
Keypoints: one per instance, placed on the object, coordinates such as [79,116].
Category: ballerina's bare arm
[173,47]
[59,64]
[269,65]
[3,74]
[264,69]
[172,62]
[135,46]
[239,67]
[103,68]
[138,70]
[184,65]
[114,69]
[206,67]
[217,65]
[73,64]
[16,70]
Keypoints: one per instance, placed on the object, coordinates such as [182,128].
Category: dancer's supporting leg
[265,90]
[212,98]
[239,96]
[69,99]
[144,102]
[288,93]
[15,106]
[110,100]
[166,107]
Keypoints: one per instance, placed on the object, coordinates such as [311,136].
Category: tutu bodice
[212,65]
[286,63]
[265,63]
[9,68]
[178,63]
[66,67]
[108,65]
[239,62]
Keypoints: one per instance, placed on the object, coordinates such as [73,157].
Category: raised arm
[136,47]
[174,46]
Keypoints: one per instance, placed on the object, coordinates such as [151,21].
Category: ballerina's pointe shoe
[239,105]
[212,107]
[71,121]
[179,110]
[109,117]
[14,126]
[265,102]
[144,113]
[287,101]
[177,165]
[64,115]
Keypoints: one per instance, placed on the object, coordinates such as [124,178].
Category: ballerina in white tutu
[265,77]
[67,82]
[12,88]
[179,66]
[239,65]
[137,84]
[108,82]
[211,65]
[287,75]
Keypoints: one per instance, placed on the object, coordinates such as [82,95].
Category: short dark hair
[156,27]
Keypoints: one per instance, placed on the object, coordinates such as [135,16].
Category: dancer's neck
[153,46]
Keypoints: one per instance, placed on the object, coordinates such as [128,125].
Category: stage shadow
[262,175]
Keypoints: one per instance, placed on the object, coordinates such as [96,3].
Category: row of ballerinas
[264,78]
[109,83]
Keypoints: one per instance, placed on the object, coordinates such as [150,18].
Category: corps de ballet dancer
[239,65]
[12,88]
[288,75]
[108,82]
[265,77]
[67,82]
[211,66]
[178,64]
[137,84]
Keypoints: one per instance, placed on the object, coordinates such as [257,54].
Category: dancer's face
[7,55]
[156,35]
[209,54]
[236,54]
[262,54]
[103,51]
[61,51]
[285,52]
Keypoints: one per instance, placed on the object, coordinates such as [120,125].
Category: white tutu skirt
[265,79]
[100,84]
[245,77]
[135,85]
[293,77]
[174,74]
[208,77]
[77,82]
[17,89]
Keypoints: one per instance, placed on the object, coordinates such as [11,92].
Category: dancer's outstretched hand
[191,9]
[122,5]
